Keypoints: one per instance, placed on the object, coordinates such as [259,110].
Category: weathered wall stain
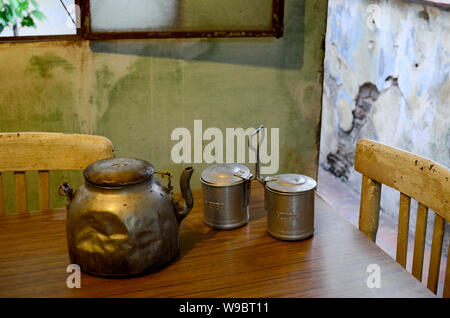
[353,126]
[125,101]
[137,97]
[402,50]
[44,64]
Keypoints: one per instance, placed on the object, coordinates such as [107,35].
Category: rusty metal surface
[126,230]
[118,172]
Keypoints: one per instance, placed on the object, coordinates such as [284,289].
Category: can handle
[258,142]
[256,132]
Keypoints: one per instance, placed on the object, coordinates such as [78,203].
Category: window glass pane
[132,15]
[180,15]
[232,15]
[37,17]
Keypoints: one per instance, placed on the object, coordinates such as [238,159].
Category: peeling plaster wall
[387,69]
[137,92]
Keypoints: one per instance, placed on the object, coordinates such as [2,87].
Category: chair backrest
[414,177]
[21,152]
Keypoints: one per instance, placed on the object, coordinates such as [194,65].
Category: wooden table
[244,262]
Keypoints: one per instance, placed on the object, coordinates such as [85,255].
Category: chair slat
[447,277]
[370,207]
[436,252]
[403,229]
[45,152]
[2,197]
[424,180]
[419,244]
[415,177]
[44,186]
[21,192]
[51,151]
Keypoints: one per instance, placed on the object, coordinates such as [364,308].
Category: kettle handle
[65,191]
[167,173]
[185,205]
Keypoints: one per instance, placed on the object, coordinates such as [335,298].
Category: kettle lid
[226,174]
[291,183]
[118,172]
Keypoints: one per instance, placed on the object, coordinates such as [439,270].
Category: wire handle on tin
[258,142]
[256,132]
[243,178]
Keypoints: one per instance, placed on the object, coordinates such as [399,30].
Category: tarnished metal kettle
[123,221]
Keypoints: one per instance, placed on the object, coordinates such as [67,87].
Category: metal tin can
[289,202]
[226,195]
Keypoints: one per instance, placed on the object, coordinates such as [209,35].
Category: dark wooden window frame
[275,31]
[84,32]
[32,38]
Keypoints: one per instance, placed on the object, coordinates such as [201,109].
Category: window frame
[84,32]
[275,31]
[37,38]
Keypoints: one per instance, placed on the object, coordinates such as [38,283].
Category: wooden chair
[21,152]
[415,177]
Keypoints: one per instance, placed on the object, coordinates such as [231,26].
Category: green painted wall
[136,92]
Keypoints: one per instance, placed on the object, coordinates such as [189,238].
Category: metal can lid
[118,172]
[291,183]
[225,174]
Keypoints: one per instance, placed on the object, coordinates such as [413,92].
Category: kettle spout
[184,206]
